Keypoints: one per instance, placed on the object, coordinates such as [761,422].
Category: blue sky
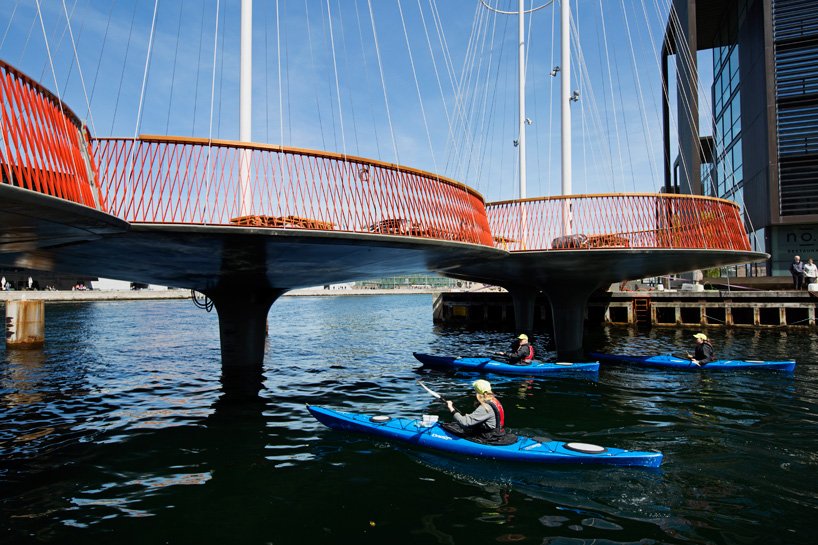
[331,94]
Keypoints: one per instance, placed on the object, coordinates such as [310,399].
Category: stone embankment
[92,295]
[135,295]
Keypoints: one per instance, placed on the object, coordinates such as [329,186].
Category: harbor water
[120,431]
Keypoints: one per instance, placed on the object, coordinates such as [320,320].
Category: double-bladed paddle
[432,392]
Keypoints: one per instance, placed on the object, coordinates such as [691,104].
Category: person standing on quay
[797,270]
[810,273]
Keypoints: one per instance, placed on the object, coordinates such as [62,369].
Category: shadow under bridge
[567,247]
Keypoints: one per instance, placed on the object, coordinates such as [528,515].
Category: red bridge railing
[44,146]
[617,221]
[195,181]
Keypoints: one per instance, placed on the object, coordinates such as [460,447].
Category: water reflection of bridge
[244,223]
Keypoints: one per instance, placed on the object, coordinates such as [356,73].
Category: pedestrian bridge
[244,223]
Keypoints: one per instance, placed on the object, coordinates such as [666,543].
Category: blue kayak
[488,365]
[669,361]
[526,449]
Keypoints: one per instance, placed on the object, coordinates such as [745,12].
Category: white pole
[521,90]
[565,17]
[521,137]
[246,96]
[246,103]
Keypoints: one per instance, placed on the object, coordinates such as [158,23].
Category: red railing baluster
[619,220]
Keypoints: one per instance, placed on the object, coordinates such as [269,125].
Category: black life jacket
[515,358]
[700,354]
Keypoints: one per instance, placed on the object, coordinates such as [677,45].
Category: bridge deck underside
[41,232]
[595,267]
[76,239]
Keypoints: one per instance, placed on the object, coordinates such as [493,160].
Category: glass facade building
[765,116]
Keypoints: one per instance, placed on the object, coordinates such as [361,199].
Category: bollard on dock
[25,324]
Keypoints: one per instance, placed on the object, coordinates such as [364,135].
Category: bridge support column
[25,324]
[524,299]
[242,309]
[568,303]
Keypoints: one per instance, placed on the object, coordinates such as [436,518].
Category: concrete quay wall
[65,296]
[712,308]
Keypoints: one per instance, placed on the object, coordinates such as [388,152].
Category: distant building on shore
[763,153]
[420,281]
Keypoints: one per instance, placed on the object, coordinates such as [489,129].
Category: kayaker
[521,353]
[486,424]
[703,354]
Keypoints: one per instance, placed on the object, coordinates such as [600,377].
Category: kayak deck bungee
[526,449]
[488,365]
[669,361]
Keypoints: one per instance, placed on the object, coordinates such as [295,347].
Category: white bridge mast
[246,105]
[521,102]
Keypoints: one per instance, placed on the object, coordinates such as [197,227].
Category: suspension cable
[8,26]
[610,84]
[122,73]
[417,84]
[280,87]
[79,68]
[383,81]
[57,88]
[175,57]
[435,69]
[313,64]
[146,70]
[367,80]
[99,60]
[348,70]
[337,82]
[28,38]
[208,157]
[213,78]
[648,141]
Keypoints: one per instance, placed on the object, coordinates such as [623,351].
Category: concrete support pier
[25,324]
[525,299]
[568,304]
[243,308]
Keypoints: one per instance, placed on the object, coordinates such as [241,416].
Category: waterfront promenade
[61,296]
[490,306]
[67,296]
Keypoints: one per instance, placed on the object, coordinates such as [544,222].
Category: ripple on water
[121,417]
